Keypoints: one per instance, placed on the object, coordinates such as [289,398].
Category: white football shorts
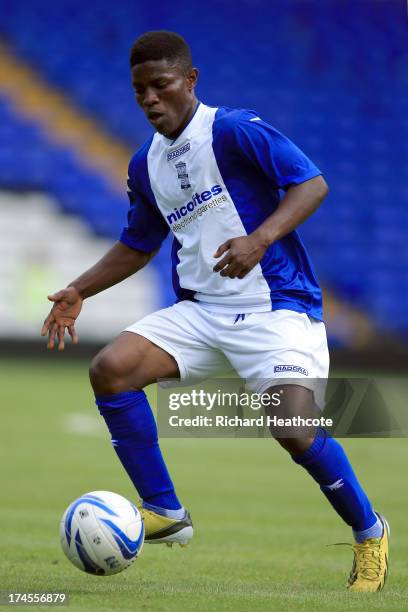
[264,348]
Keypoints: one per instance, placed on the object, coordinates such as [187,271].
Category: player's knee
[107,373]
[295,446]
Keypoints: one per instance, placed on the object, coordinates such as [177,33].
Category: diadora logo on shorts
[291,368]
[178,152]
[196,200]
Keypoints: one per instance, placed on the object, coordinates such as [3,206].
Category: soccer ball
[101,533]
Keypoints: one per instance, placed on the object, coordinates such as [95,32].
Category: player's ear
[192,79]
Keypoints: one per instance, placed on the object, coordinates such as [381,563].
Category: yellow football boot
[370,565]
[163,530]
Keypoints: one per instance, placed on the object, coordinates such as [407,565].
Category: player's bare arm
[118,263]
[244,252]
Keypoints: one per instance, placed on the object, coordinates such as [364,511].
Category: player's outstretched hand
[242,254]
[66,308]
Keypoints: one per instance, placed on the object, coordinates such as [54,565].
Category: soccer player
[247,295]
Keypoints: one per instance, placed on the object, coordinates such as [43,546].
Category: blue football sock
[173,514]
[134,436]
[375,531]
[327,463]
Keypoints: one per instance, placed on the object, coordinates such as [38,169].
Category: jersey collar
[189,129]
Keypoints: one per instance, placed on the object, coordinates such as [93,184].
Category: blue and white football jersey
[220,179]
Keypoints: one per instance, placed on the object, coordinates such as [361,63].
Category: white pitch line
[84,425]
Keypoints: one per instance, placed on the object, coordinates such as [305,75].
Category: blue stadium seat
[331,75]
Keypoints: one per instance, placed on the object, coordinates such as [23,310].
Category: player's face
[165,94]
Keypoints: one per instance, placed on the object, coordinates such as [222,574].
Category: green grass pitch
[262,525]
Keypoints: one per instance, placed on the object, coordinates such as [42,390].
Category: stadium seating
[330,75]
[31,267]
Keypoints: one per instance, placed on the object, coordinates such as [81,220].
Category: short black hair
[161,44]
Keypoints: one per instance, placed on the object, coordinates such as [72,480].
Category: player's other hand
[66,308]
[242,254]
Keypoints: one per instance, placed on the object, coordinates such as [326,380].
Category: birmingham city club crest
[182,175]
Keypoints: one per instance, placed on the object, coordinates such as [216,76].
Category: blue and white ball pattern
[101,533]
